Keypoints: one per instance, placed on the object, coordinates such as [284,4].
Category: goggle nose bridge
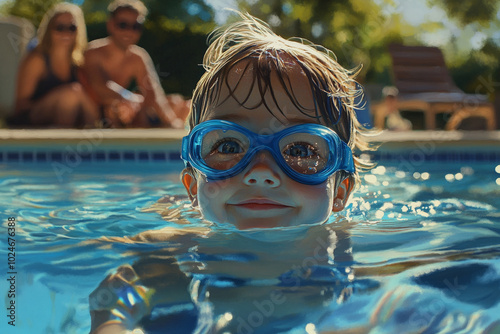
[258,143]
[262,147]
[263,139]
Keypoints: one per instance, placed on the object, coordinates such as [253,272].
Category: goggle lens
[223,149]
[305,153]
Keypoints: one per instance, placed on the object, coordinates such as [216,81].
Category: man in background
[120,75]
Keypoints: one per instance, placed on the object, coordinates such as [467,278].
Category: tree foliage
[478,69]
[357,31]
[470,11]
[32,10]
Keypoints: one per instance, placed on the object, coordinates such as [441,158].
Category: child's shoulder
[170,234]
[174,234]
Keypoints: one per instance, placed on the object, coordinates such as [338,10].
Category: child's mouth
[260,204]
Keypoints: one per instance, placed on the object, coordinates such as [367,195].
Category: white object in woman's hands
[124,93]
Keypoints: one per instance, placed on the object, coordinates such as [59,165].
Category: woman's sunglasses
[63,28]
[129,26]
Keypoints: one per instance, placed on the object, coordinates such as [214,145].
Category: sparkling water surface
[416,251]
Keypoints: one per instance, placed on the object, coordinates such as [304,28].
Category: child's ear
[189,182]
[343,193]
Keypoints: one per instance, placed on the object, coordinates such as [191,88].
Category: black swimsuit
[43,87]
[51,81]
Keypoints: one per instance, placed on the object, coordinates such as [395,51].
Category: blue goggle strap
[185,150]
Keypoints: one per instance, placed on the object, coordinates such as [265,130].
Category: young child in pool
[272,129]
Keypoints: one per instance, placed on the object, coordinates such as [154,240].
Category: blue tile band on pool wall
[438,156]
[97,156]
[37,156]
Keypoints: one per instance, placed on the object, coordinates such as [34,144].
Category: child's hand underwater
[119,302]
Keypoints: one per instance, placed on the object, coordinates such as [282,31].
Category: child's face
[262,195]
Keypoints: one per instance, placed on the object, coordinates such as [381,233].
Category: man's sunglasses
[128,26]
[63,28]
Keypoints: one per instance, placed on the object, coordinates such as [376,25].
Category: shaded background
[358,32]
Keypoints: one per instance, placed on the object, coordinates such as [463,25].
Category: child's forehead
[267,64]
[283,97]
[250,84]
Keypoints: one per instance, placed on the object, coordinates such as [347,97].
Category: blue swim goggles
[307,153]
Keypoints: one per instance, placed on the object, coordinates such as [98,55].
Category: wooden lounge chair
[424,83]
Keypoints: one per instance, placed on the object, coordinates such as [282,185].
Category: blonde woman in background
[48,93]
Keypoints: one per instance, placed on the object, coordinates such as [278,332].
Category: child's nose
[262,171]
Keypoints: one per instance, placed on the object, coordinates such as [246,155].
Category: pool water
[416,251]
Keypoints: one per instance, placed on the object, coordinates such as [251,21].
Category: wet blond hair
[47,24]
[333,87]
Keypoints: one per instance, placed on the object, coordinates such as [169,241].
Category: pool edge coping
[9,135]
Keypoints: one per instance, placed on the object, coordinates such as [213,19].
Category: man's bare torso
[116,65]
